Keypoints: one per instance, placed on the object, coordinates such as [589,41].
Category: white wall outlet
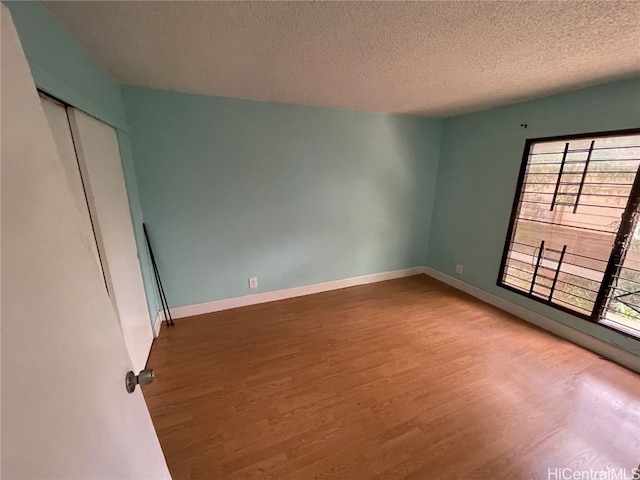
[253,282]
[459,269]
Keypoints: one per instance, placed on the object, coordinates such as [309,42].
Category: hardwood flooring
[401,379]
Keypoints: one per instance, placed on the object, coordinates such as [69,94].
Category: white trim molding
[235,302]
[157,323]
[598,346]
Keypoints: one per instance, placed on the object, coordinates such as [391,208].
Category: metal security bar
[570,225]
[584,176]
[618,303]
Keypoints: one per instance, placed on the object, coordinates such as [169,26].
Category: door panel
[65,411]
[98,155]
[56,114]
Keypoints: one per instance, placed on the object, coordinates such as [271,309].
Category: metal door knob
[145,377]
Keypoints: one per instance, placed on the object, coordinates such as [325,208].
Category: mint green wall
[293,195]
[299,195]
[479,165]
[63,68]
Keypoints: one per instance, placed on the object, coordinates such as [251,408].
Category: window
[574,237]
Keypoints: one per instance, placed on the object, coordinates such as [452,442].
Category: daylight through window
[574,239]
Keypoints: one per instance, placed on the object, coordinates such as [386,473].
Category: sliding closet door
[56,115]
[98,155]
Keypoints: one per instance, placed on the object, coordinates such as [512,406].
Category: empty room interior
[299,240]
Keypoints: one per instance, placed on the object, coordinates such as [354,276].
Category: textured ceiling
[425,58]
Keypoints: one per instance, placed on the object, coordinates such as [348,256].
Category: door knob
[145,377]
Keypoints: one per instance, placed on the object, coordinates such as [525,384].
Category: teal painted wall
[63,68]
[293,195]
[479,164]
[299,195]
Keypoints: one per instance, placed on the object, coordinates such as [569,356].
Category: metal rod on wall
[163,297]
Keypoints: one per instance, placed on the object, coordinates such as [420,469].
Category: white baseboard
[600,347]
[235,302]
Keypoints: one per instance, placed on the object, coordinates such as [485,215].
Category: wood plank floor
[402,379]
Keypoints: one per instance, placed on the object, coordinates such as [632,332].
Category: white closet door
[65,411]
[56,114]
[96,146]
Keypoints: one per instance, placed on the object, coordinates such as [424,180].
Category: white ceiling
[425,58]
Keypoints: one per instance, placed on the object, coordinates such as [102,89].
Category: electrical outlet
[459,269]
[253,282]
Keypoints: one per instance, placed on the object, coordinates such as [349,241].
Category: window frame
[633,203]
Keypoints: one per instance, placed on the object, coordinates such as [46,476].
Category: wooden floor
[402,379]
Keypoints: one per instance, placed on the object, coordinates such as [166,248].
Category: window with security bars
[574,236]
